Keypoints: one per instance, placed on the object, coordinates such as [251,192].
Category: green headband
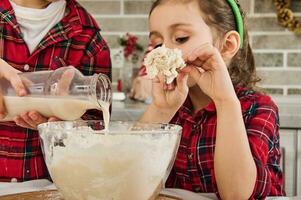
[238,20]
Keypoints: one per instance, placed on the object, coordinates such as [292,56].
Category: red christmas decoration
[130,44]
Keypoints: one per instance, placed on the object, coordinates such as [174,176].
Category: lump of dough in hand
[165,61]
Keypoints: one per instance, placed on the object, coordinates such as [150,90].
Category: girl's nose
[168,45]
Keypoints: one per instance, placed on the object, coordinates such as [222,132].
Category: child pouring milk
[41,35]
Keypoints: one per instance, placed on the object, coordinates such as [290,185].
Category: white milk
[105,107]
[111,167]
[63,108]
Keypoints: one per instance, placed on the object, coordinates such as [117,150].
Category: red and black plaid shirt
[194,166]
[75,41]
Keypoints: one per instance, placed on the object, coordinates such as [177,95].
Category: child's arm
[167,99]
[235,169]
[155,115]
[262,129]
[96,60]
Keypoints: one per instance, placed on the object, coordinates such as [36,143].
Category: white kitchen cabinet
[289,144]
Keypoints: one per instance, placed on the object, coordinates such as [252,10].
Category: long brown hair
[219,16]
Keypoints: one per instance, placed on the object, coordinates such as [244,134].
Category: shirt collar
[72,23]
[7,14]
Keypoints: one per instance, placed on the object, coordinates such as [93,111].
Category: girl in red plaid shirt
[230,137]
[42,35]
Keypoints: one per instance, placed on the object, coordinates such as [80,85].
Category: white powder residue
[111,167]
[165,61]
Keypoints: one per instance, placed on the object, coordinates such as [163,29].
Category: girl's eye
[182,40]
[158,45]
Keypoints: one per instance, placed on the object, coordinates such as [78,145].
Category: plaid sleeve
[96,60]
[263,134]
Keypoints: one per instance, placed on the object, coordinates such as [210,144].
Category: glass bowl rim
[160,127]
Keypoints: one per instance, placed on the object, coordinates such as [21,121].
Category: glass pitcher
[64,93]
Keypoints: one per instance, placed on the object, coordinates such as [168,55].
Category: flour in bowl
[111,167]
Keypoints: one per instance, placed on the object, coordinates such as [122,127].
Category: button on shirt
[26,67]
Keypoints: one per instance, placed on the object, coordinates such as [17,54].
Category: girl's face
[179,25]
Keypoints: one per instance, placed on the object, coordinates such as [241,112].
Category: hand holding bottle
[10,74]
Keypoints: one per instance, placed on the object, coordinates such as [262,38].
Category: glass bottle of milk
[64,93]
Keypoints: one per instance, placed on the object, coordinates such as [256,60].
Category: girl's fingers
[206,54]
[196,73]
[37,118]
[182,82]
[191,55]
[17,84]
[185,70]
[202,52]
[155,80]
[201,70]
[25,117]
[54,119]
[196,62]
[171,86]
[159,85]
[161,78]
[20,122]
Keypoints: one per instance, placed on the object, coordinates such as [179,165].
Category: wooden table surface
[55,195]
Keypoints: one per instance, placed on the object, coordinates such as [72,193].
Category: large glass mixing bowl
[131,161]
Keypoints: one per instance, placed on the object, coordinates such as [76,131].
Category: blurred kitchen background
[278,60]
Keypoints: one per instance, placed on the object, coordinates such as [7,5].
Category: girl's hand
[32,119]
[207,67]
[169,98]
